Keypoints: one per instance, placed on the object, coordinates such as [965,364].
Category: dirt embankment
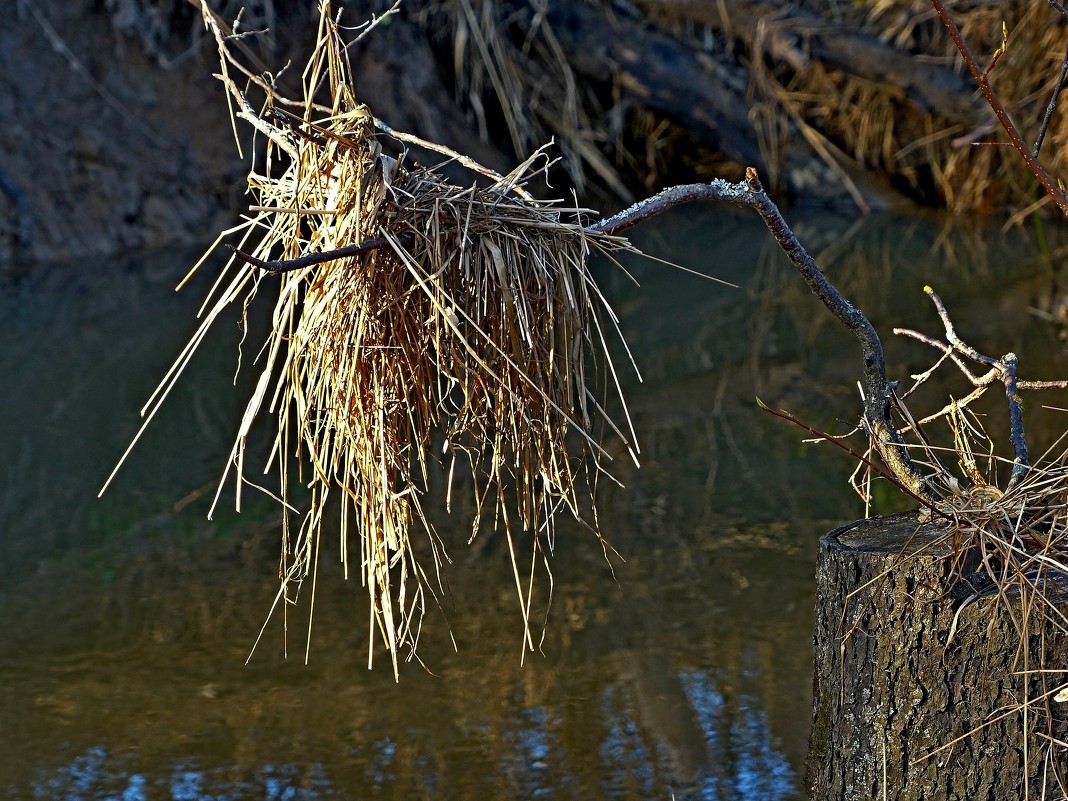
[106,147]
[114,136]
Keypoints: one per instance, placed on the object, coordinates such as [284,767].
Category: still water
[678,667]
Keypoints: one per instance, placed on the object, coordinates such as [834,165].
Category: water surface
[680,667]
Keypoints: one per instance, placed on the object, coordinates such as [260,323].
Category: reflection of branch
[999,110]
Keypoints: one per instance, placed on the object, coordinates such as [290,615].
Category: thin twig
[951,332]
[1005,368]
[947,350]
[247,113]
[311,259]
[924,499]
[1052,103]
[982,381]
[374,22]
[222,33]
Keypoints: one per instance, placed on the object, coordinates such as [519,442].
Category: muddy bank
[117,137]
[106,149]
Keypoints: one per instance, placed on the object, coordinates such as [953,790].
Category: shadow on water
[680,667]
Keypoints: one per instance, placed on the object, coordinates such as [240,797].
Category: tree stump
[902,709]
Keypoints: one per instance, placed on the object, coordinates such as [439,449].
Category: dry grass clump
[467,331]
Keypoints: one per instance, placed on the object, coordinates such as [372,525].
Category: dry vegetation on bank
[861,103]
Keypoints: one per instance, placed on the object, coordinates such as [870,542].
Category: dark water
[680,668]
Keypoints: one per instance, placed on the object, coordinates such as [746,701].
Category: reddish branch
[1052,106]
[999,110]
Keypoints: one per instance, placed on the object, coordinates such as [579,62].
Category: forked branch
[1003,370]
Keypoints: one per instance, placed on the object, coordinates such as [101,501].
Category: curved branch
[311,259]
[877,390]
[878,393]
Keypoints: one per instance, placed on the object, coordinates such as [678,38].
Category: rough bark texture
[891,689]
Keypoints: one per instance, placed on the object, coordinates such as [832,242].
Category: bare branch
[982,381]
[311,259]
[1021,464]
[375,21]
[224,35]
[1003,369]
[951,333]
[673,196]
[877,391]
[1052,103]
[947,351]
[247,113]
[999,110]
[925,499]
[878,394]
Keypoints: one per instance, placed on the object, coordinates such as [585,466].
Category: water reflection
[97,774]
[759,769]
[681,668]
[733,756]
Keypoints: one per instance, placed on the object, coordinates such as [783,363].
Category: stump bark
[902,709]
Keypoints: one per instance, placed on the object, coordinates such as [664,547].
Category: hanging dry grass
[463,328]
